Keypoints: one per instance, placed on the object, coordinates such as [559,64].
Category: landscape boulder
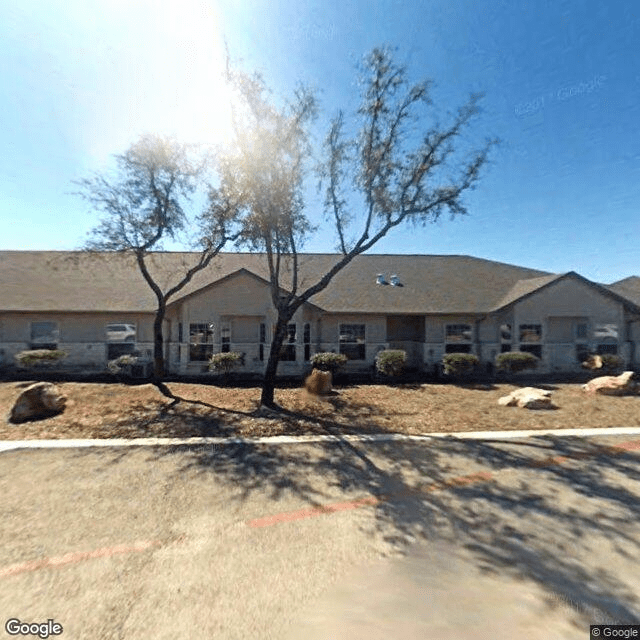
[528,398]
[612,385]
[319,382]
[592,362]
[37,401]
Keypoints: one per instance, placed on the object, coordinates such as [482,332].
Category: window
[44,335]
[606,348]
[581,331]
[530,333]
[352,341]
[307,341]
[288,350]
[505,338]
[225,337]
[201,342]
[581,337]
[458,338]
[531,338]
[606,338]
[263,339]
[121,339]
[582,352]
[535,349]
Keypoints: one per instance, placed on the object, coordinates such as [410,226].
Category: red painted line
[315,511]
[72,558]
[461,481]
[368,501]
[628,446]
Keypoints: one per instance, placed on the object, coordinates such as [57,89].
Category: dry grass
[117,410]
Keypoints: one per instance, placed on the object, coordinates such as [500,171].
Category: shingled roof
[79,281]
[628,288]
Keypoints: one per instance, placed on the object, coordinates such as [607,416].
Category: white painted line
[499,435]
[8,445]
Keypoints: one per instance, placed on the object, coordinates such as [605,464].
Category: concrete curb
[9,445]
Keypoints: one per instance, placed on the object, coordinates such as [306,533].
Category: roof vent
[395,281]
[380,279]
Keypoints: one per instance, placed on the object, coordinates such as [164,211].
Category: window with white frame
[263,339]
[225,337]
[605,337]
[44,335]
[531,339]
[352,339]
[581,337]
[288,350]
[201,336]
[307,341]
[505,338]
[121,339]
[458,338]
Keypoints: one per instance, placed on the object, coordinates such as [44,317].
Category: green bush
[116,366]
[36,357]
[328,361]
[515,361]
[225,362]
[460,364]
[391,362]
[611,363]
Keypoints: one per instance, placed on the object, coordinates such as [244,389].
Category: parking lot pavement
[458,537]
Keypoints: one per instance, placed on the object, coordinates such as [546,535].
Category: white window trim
[56,333]
[458,324]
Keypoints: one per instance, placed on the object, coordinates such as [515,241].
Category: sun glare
[165,79]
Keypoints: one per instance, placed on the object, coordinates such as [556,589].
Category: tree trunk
[158,346]
[158,350]
[158,355]
[269,381]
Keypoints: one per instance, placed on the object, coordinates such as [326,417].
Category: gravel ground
[98,410]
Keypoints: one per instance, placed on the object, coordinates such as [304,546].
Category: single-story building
[97,306]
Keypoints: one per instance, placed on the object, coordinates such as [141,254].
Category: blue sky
[80,80]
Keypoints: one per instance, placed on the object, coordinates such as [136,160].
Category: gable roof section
[628,288]
[79,281]
[525,288]
[243,271]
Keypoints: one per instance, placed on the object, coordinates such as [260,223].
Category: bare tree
[385,175]
[144,203]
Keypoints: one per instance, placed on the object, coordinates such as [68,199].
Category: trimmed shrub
[328,361]
[225,362]
[391,362]
[515,361]
[37,357]
[460,364]
[122,365]
[611,363]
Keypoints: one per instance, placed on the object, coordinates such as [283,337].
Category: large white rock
[612,385]
[528,398]
[39,400]
[593,362]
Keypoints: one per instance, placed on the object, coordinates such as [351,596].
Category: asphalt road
[534,538]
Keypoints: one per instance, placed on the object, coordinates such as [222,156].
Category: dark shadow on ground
[546,522]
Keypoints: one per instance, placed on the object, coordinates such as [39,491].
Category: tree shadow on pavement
[559,512]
